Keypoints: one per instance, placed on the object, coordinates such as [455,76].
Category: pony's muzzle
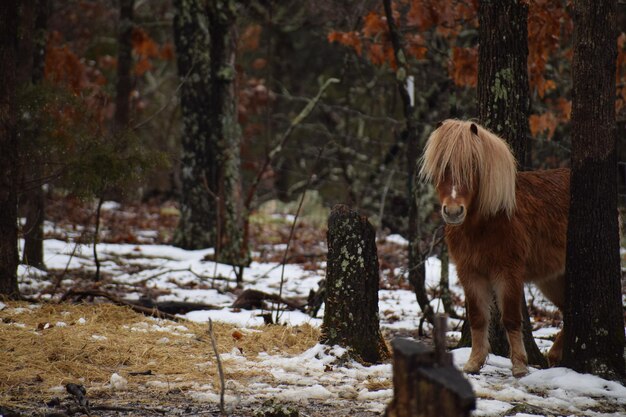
[453,214]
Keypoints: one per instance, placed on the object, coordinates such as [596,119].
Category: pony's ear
[439,124]
[474,129]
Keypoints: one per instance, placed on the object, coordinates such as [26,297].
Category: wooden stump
[426,383]
[351,314]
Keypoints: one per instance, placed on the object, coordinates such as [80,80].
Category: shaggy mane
[454,149]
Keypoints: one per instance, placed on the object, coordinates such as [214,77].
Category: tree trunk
[594,322]
[351,313]
[9,21]
[196,228]
[33,195]
[225,132]
[503,107]
[124,83]
[503,101]
[211,200]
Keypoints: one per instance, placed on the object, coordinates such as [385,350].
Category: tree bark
[594,323]
[124,83]
[226,133]
[33,195]
[9,22]
[351,314]
[503,95]
[211,200]
[503,107]
[196,228]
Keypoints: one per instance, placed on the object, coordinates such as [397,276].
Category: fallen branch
[251,299]
[153,312]
[172,307]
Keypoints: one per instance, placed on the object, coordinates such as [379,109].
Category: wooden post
[425,382]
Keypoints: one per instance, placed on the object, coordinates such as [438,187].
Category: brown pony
[503,228]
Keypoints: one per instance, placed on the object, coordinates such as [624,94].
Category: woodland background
[287,106]
[350,148]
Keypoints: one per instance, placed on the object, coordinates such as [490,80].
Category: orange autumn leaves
[418,20]
[428,22]
[64,67]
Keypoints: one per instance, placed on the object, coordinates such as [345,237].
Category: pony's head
[472,169]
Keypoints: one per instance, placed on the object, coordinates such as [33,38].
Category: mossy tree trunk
[503,92]
[594,321]
[211,201]
[9,22]
[226,133]
[503,107]
[196,228]
[351,311]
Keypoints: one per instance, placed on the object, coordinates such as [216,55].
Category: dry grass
[99,340]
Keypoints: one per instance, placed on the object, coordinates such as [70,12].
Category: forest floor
[68,332]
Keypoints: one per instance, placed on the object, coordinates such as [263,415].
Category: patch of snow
[398,239]
[98,337]
[321,373]
[302,394]
[110,206]
[118,382]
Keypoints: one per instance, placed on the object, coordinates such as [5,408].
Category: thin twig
[220,371]
[168,271]
[95,238]
[384,196]
[57,284]
[291,232]
[166,105]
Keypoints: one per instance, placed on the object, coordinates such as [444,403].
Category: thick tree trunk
[503,95]
[351,314]
[33,194]
[198,170]
[211,201]
[503,106]
[226,133]
[594,322]
[9,22]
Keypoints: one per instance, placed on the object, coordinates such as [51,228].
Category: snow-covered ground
[177,273]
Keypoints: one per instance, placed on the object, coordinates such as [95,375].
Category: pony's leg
[509,297]
[478,295]
[556,351]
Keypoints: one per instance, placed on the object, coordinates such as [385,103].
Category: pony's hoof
[520,371]
[554,359]
[471,368]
